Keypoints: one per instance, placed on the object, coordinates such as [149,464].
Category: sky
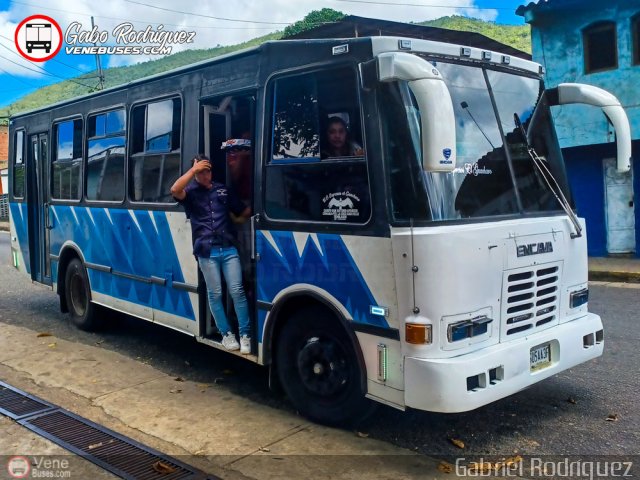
[211,21]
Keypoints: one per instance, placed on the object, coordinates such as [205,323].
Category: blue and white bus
[438,267]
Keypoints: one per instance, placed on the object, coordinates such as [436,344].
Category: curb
[612,276]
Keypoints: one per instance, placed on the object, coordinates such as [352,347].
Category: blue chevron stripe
[330,267]
[130,243]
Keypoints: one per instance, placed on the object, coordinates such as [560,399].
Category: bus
[439,267]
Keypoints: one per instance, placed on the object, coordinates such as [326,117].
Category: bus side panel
[137,246]
[18,227]
[356,274]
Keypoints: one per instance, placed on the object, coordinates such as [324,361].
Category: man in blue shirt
[208,205]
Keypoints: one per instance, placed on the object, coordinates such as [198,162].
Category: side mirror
[434,100]
[567,93]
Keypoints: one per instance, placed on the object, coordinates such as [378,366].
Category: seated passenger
[337,142]
[239,164]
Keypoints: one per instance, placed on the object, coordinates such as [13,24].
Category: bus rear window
[18,165]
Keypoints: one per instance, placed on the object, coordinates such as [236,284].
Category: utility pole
[100,75]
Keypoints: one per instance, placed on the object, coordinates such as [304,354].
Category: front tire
[77,292]
[319,370]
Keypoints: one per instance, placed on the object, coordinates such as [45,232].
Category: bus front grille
[531,300]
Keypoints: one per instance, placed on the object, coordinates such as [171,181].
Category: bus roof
[378,44]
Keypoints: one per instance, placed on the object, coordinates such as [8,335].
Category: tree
[314,19]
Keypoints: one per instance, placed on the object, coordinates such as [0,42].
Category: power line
[208,16]
[31,85]
[465,7]
[33,63]
[149,23]
[43,72]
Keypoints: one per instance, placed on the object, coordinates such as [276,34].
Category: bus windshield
[494,174]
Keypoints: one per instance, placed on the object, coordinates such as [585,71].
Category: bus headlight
[468,328]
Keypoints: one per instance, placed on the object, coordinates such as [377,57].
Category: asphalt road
[565,415]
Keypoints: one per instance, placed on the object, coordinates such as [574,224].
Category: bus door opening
[224,118]
[39,220]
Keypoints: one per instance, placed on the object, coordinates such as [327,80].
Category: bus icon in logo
[18,467]
[38,36]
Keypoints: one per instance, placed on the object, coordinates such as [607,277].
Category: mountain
[515,36]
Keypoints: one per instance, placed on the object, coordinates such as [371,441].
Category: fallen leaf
[571,400]
[44,334]
[264,449]
[613,417]
[175,390]
[179,379]
[200,452]
[204,385]
[94,381]
[52,345]
[99,342]
[445,467]
[362,434]
[457,443]
[163,468]
[96,445]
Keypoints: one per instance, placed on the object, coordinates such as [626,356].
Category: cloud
[212,31]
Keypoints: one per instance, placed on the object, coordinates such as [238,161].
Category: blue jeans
[227,260]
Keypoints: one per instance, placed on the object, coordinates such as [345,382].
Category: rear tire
[319,370]
[77,293]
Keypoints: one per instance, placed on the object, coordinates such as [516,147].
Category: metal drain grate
[17,404]
[106,448]
[116,453]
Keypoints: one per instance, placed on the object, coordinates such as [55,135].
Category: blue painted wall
[556,37]
[584,133]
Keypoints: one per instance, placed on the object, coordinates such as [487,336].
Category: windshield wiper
[465,107]
[549,179]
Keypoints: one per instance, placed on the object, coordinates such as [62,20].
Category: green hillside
[516,36]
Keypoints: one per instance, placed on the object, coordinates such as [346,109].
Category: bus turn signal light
[417,334]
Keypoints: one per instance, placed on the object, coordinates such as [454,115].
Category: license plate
[540,357]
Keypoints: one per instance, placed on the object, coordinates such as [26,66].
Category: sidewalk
[206,426]
[614,269]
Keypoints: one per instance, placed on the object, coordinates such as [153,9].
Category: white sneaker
[229,342]
[245,344]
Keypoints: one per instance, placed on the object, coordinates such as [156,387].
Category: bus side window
[154,162]
[66,160]
[298,185]
[18,165]
[105,156]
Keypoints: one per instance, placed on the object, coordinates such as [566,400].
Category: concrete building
[598,43]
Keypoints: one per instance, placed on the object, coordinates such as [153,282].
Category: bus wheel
[76,290]
[319,370]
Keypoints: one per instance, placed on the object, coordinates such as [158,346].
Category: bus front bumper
[475,379]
